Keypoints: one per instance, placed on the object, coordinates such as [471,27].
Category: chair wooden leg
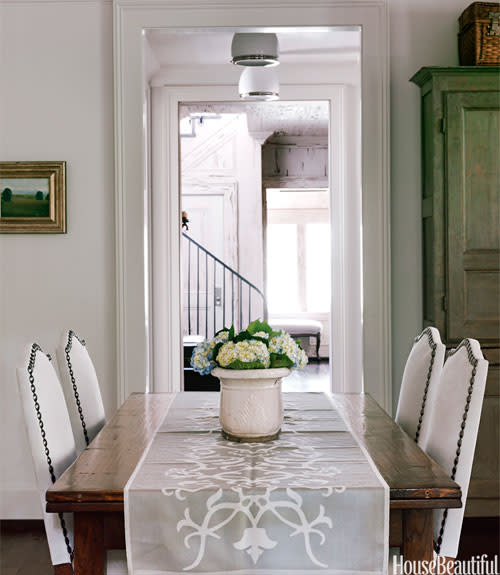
[63,569]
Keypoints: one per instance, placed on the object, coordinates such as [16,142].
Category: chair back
[51,440]
[420,378]
[81,389]
[453,427]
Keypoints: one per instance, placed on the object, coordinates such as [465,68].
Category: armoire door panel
[481,313]
[473,230]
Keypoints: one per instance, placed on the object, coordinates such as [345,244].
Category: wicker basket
[479,37]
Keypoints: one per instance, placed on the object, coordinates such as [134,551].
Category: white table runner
[308,502]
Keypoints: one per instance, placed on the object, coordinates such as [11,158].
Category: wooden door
[472,124]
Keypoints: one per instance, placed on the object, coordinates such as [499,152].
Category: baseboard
[476,507]
[20,504]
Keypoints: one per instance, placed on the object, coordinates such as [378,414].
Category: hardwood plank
[408,471]
[102,470]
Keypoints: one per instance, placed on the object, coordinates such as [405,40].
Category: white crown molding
[243,4]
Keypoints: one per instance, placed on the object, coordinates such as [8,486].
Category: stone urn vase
[251,407]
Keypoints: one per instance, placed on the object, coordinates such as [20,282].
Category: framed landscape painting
[33,197]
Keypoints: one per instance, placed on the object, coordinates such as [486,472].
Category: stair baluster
[219,272]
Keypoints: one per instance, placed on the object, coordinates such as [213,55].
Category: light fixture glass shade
[259,84]
[256,50]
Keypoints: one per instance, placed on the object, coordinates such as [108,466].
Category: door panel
[201,284]
[473,230]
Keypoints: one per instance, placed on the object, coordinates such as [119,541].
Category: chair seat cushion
[297,326]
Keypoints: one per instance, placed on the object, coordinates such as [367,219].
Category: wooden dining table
[92,487]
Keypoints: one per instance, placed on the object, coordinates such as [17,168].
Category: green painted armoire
[461,236]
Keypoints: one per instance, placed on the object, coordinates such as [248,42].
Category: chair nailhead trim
[473,362]
[67,349]
[432,344]
[31,367]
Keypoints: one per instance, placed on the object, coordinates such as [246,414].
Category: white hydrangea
[262,334]
[245,351]
[285,344]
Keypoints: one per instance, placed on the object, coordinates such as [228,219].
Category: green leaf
[280,360]
[242,336]
[238,364]
[231,333]
[258,325]
[216,349]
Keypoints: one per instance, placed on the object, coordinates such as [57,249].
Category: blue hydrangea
[202,358]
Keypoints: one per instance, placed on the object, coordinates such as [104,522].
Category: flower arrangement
[256,347]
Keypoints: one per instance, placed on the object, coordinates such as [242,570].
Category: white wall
[56,103]
[226,152]
[423,33]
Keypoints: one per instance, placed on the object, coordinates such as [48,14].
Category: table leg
[90,554]
[417,535]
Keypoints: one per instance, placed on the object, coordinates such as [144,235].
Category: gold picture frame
[33,197]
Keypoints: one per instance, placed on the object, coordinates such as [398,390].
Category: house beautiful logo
[478,565]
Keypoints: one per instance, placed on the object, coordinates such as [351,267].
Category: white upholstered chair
[81,389]
[53,449]
[420,378]
[452,431]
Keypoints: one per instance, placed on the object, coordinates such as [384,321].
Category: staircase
[215,296]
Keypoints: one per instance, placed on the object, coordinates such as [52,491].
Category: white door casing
[131,18]
[344,310]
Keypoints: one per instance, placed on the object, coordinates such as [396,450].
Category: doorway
[135,67]
[345,325]
[233,262]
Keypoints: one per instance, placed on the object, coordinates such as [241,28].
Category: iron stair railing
[231,300]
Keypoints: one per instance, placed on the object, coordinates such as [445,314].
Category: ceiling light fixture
[255,50]
[259,84]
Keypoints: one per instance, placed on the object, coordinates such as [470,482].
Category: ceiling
[281,118]
[187,46]
[195,47]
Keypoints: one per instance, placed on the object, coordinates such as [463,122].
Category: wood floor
[24,551]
